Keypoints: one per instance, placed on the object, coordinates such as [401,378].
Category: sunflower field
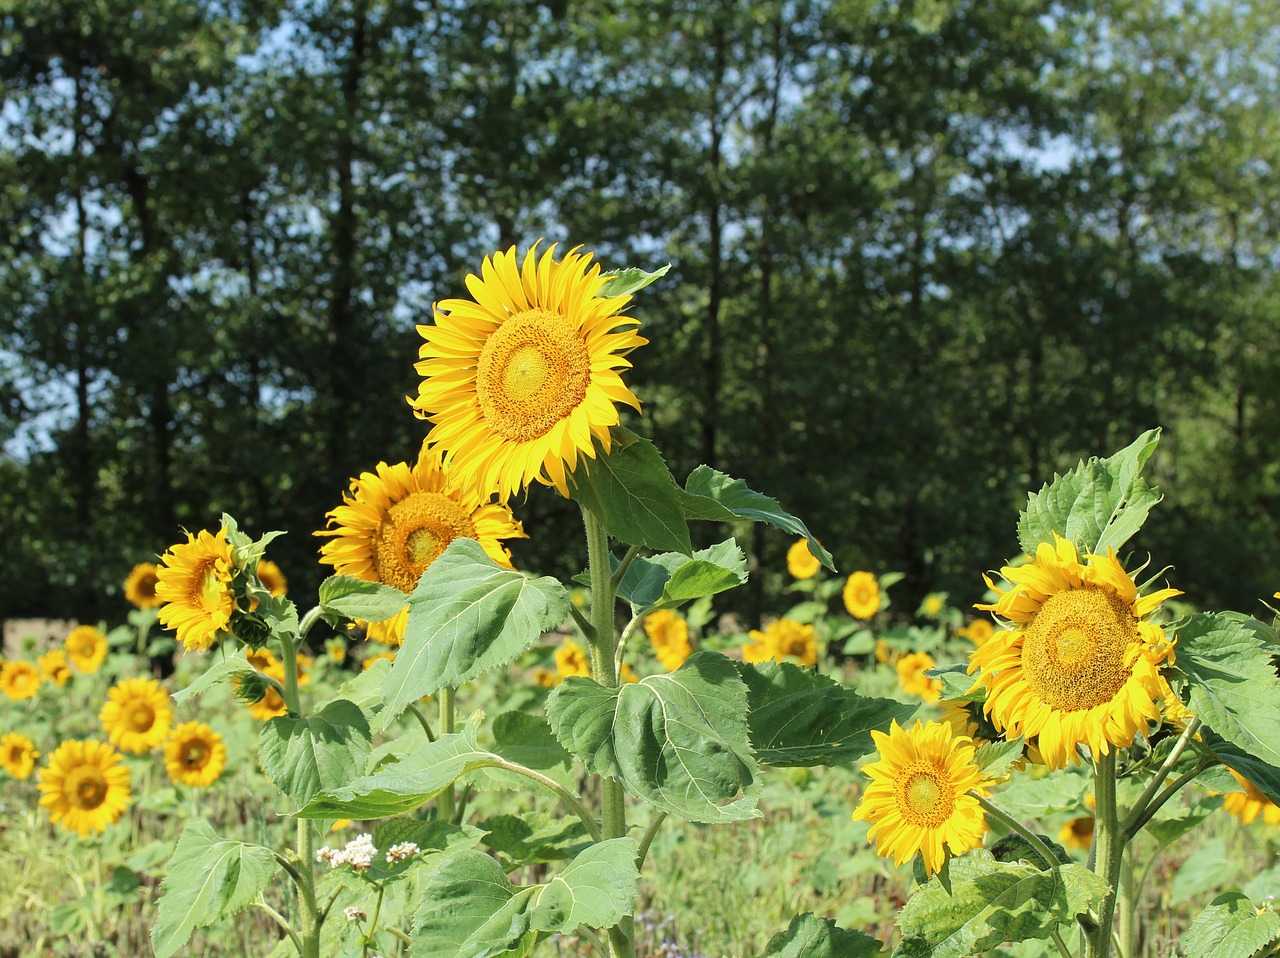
[443,754]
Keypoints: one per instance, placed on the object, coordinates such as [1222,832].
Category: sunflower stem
[1109,842]
[1011,823]
[1162,773]
[306,880]
[444,801]
[623,566]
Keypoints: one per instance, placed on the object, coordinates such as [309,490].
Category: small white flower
[398,853]
[330,856]
[359,852]
[354,913]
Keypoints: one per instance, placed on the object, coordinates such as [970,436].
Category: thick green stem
[1108,853]
[444,801]
[305,877]
[1126,907]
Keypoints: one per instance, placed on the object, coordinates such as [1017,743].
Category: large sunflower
[19,680]
[519,381]
[85,786]
[140,586]
[195,587]
[918,799]
[136,715]
[17,754]
[195,755]
[86,648]
[1080,666]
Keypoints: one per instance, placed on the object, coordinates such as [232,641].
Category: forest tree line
[923,255]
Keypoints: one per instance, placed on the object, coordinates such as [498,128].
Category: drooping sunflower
[1248,803]
[194,755]
[571,660]
[140,586]
[389,631]
[918,799]
[271,704]
[782,640]
[19,680]
[136,715]
[194,585]
[272,578]
[18,755]
[913,681]
[54,667]
[519,381]
[800,561]
[1080,666]
[669,633]
[862,595]
[86,647]
[85,786]
[398,519]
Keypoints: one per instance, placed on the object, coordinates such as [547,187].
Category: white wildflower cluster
[354,913]
[358,853]
[398,853]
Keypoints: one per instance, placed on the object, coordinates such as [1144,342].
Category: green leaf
[1202,871]
[998,758]
[991,903]
[957,684]
[220,671]
[809,936]
[1232,682]
[627,281]
[305,756]
[800,717]
[1026,796]
[632,492]
[1100,504]
[528,740]
[670,579]
[1230,927]
[467,615]
[209,878]
[344,597]
[710,494]
[1262,774]
[468,909]
[534,837]
[679,741]
[402,786]
[435,835]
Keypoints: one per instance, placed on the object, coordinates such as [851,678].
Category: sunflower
[571,660]
[17,755]
[19,680]
[336,649]
[862,595]
[518,382]
[1248,803]
[669,634]
[978,631]
[272,578]
[195,587]
[919,796]
[782,639]
[195,755]
[136,715]
[140,586]
[398,519]
[1080,666]
[544,677]
[913,681]
[933,604]
[86,648]
[1077,833]
[800,561]
[54,667]
[85,786]
[388,631]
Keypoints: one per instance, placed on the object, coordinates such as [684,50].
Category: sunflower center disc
[533,371]
[86,788]
[141,718]
[195,755]
[1073,650]
[414,533]
[922,800]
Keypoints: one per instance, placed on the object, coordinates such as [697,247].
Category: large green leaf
[1025,796]
[344,597]
[468,909]
[809,936]
[1098,505]
[1230,927]
[679,741]
[304,756]
[710,494]
[670,579]
[534,837]
[209,878]
[1232,682]
[991,902]
[632,492]
[467,615]
[801,717]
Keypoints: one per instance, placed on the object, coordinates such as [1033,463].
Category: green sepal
[209,879]
[1231,926]
[799,717]
[344,598]
[679,741]
[468,908]
[711,495]
[467,615]
[671,579]
[809,936]
[305,756]
[630,280]
[246,553]
[1098,505]
[631,491]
